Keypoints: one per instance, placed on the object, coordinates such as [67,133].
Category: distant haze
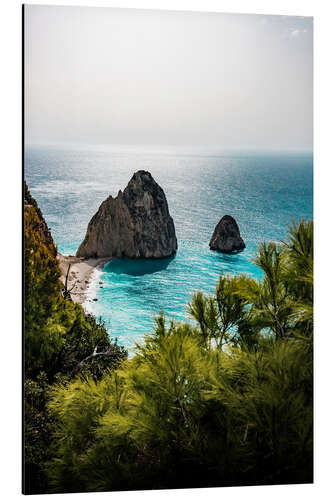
[159,78]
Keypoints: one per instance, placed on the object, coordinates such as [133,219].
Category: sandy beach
[80,274]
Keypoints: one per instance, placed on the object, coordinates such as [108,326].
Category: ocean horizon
[262,190]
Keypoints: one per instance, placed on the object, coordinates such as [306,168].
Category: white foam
[91,291]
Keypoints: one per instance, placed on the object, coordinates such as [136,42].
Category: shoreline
[80,275]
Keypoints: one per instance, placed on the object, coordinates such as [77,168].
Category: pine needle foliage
[227,401]
[218,316]
[58,336]
[224,400]
[236,417]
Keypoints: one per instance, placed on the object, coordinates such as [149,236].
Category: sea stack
[136,224]
[226,237]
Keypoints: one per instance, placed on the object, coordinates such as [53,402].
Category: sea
[263,191]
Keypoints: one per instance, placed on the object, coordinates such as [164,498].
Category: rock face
[31,211]
[226,237]
[136,224]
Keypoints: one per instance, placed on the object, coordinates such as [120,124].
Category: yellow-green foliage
[237,417]
[57,332]
[58,336]
[43,334]
[227,401]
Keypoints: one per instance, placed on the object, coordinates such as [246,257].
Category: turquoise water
[262,191]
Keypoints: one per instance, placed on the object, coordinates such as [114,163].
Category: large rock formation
[136,224]
[226,237]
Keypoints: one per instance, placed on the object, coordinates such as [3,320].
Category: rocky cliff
[226,237]
[136,224]
[33,213]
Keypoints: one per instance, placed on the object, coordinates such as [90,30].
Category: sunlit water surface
[262,191]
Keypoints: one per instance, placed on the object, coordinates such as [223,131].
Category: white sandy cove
[80,274]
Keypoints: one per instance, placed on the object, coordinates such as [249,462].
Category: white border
[10,105]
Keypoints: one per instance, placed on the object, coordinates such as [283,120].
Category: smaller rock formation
[226,237]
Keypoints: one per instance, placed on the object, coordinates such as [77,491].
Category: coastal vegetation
[224,399]
[58,339]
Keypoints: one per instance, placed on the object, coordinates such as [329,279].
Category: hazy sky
[114,76]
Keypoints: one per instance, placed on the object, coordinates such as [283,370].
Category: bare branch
[108,352]
[66,280]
